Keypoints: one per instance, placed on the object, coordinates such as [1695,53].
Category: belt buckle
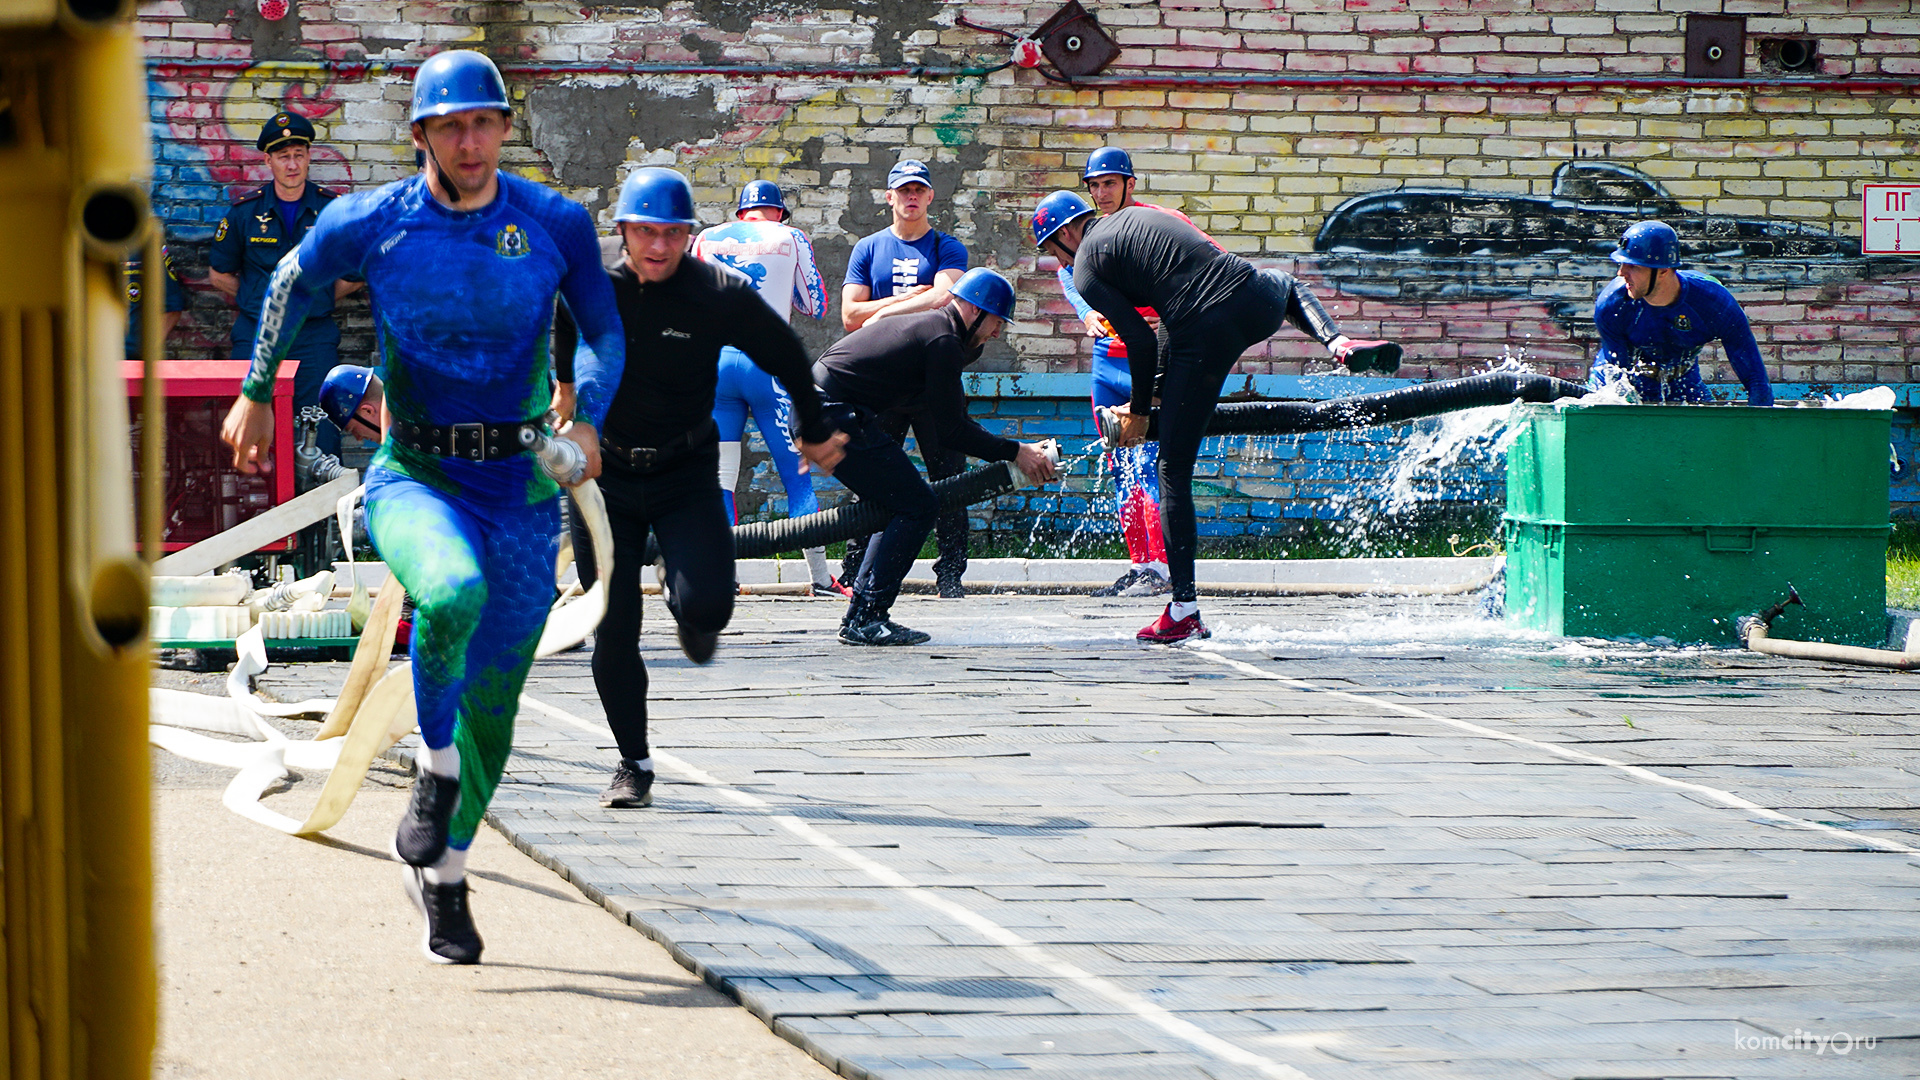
[645,456]
[479,434]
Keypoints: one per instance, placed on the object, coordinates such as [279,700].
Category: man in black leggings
[914,359]
[1213,306]
[661,450]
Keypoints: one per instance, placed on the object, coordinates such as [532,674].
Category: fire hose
[1368,410]
[1753,631]
[763,539]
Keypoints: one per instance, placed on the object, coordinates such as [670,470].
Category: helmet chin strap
[979,316]
[446,182]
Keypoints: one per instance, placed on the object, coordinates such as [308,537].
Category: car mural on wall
[1442,244]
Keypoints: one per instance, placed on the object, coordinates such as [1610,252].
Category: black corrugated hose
[762,539]
[1387,407]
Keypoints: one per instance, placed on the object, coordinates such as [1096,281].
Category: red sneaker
[1166,629]
[1359,356]
[831,590]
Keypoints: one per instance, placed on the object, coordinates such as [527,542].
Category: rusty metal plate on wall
[1716,46]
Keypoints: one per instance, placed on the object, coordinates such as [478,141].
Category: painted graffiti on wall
[1443,244]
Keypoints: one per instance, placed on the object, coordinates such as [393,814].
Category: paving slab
[1347,837]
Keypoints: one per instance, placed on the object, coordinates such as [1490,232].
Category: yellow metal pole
[75,824]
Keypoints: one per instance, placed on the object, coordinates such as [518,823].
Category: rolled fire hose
[1753,634]
[763,539]
[1370,410]
[375,709]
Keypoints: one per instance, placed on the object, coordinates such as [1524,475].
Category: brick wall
[1504,144]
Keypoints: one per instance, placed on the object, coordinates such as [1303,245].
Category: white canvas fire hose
[375,708]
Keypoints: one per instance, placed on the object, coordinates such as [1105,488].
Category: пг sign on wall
[1890,220]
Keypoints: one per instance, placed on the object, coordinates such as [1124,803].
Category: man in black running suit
[661,451]
[1213,306]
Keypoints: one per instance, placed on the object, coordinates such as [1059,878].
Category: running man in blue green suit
[463,263]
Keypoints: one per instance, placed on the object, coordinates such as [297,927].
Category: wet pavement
[1345,838]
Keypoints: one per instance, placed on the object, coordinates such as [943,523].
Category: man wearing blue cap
[258,231]
[908,267]
[1654,318]
[463,262]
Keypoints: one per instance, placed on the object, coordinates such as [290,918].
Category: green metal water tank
[1671,521]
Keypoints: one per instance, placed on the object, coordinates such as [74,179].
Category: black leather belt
[468,442]
[648,458]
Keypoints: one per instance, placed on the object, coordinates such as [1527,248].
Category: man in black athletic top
[887,364]
[661,450]
[1213,306]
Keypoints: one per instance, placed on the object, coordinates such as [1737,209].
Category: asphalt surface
[300,960]
[1344,838]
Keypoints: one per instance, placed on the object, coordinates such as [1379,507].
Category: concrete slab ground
[1348,837]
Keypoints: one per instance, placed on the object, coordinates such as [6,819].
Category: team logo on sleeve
[1682,323]
[511,243]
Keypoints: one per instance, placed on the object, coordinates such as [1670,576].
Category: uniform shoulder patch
[220,231]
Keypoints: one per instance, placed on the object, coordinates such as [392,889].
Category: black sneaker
[631,789]
[697,645]
[422,836]
[883,632]
[1120,584]
[951,589]
[450,937]
[1147,582]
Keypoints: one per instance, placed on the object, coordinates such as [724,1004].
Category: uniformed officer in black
[260,228]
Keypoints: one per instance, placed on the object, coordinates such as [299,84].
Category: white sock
[1181,609]
[450,869]
[444,762]
[1333,347]
[1158,568]
[817,566]
[645,764]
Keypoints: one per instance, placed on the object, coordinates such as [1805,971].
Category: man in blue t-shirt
[1655,318]
[906,267]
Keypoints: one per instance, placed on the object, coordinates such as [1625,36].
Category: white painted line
[1724,798]
[1145,1010]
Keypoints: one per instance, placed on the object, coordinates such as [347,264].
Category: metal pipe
[164,68]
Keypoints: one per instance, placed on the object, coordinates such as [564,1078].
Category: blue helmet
[1055,211]
[986,290]
[1108,161]
[341,393]
[656,195]
[1651,244]
[456,81]
[760,193]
